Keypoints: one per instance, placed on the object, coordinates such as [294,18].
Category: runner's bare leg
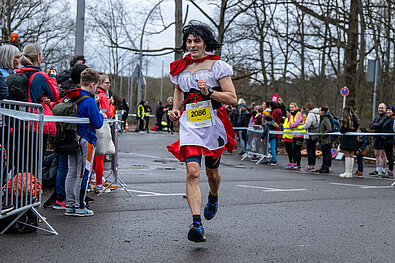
[214,180]
[194,195]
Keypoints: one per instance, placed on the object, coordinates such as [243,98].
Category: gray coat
[325,127]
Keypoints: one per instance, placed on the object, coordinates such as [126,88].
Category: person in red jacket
[43,89]
[104,104]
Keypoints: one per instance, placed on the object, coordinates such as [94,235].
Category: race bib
[199,114]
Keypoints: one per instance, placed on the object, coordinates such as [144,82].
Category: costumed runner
[202,83]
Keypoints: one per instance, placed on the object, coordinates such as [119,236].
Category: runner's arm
[228,94]
[177,102]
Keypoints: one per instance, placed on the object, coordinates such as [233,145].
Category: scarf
[179,65]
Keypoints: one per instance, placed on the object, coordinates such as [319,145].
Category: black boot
[324,169]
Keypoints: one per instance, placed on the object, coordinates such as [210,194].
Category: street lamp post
[79,28]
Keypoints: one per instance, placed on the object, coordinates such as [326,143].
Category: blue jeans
[61,178]
[242,142]
[273,149]
[360,162]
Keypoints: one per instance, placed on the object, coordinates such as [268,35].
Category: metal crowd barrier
[21,154]
[115,130]
[21,158]
[254,148]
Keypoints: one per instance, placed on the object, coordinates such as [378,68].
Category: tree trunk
[178,36]
[351,52]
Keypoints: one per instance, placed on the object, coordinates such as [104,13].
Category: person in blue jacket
[76,183]
[270,125]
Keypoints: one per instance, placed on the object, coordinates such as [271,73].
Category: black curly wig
[200,29]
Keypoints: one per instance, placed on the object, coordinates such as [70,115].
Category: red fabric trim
[183,152]
[179,65]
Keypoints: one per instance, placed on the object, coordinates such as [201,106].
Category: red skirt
[183,152]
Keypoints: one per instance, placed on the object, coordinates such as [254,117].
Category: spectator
[60,202]
[112,107]
[104,105]
[242,119]
[282,108]
[276,115]
[312,124]
[325,126]
[140,117]
[75,188]
[10,57]
[258,117]
[288,138]
[389,140]
[270,125]
[233,116]
[64,78]
[3,88]
[168,109]
[41,85]
[159,115]
[267,110]
[363,141]
[147,110]
[348,143]
[376,126]
[241,103]
[42,89]
[296,124]
[125,108]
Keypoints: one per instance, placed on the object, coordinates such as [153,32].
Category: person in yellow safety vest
[288,140]
[296,124]
[140,116]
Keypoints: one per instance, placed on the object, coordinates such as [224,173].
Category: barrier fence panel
[262,150]
[254,147]
[22,146]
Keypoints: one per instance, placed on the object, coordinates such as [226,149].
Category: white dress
[213,137]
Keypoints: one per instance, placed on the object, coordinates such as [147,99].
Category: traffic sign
[333,152]
[344,91]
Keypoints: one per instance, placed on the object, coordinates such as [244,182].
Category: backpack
[18,85]
[27,223]
[335,127]
[66,140]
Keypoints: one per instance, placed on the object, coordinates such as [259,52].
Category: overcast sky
[165,39]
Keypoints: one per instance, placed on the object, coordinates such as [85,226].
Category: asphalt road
[266,214]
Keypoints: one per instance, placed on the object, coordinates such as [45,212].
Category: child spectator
[363,141]
[76,183]
[270,125]
[258,117]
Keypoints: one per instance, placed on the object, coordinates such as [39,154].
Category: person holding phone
[202,83]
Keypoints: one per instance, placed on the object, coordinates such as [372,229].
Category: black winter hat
[76,71]
[391,107]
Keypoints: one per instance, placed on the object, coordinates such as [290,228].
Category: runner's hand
[201,84]
[175,115]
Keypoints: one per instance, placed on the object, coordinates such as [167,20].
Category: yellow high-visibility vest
[286,128]
[298,128]
[140,111]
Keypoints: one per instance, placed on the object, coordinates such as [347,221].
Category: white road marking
[268,189]
[146,194]
[363,186]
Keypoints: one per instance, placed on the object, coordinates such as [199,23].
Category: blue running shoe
[210,210]
[196,233]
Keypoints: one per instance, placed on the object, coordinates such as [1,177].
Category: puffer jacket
[377,124]
[312,123]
